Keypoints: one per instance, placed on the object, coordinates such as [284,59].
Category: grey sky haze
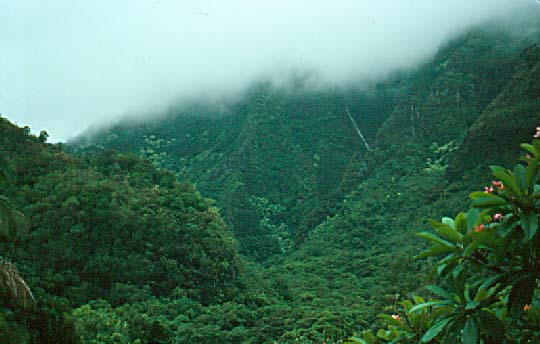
[69,64]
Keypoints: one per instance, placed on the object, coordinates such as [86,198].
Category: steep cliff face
[448,94]
[507,121]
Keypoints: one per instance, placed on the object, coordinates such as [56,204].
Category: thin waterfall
[357,129]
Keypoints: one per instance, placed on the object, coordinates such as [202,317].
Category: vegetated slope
[497,133]
[360,261]
[448,94]
[279,161]
[273,161]
[356,262]
[107,226]
[361,258]
[485,291]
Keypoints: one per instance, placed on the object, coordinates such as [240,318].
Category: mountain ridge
[326,227]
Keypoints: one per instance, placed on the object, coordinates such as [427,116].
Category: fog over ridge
[70,64]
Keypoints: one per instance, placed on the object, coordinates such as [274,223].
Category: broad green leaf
[472,305]
[418,299]
[449,222]
[461,223]
[536,145]
[481,194]
[470,332]
[435,250]
[436,239]
[447,231]
[505,227]
[444,268]
[467,293]
[520,176]
[490,281]
[529,148]
[533,223]
[488,201]
[357,340]
[502,250]
[529,223]
[477,194]
[434,330]
[439,292]
[495,168]
[448,263]
[389,319]
[507,179]
[472,218]
[382,334]
[458,273]
[531,177]
[429,304]
[491,291]
[470,248]
[441,267]
[457,281]
[407,305]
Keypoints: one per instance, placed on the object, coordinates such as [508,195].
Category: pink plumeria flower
[499,185]
[480,228]
[498,217]
[396,317]
[488,189]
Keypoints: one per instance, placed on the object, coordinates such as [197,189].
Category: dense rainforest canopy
[268,220]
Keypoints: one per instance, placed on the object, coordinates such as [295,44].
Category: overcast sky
[68,64]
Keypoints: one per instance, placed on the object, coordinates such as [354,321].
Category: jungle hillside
[377,212]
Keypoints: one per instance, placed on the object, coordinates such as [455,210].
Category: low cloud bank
[71,64]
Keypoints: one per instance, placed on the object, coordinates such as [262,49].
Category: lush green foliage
[119,251]
[109,227]
[488,268]
[290,147]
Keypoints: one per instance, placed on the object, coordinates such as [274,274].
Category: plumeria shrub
[488,268]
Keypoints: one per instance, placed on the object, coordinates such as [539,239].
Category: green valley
[277,218]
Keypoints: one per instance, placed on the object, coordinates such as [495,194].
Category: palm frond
[13,288]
